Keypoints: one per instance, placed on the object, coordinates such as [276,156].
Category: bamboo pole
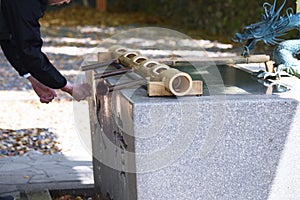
[260,58]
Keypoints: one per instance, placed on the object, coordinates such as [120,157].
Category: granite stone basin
[233,142]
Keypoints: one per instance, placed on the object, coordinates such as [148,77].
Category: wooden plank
[40,195]
[159,89]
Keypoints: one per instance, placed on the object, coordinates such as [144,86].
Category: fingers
[48,95]
[42,100]
[53,93]
[46,99]
[45,93]
[81,91]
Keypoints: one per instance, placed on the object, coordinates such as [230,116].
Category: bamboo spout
[177,82]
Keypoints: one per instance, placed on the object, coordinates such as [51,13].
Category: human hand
[45,93]
[81,91]
[78,91]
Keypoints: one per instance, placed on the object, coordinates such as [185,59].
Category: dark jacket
[4,30]
[21,41]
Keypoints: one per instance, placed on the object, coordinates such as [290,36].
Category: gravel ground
[58,117]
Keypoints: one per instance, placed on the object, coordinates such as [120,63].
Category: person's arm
[23,20]
[46,94]
[12,56]
[26,55]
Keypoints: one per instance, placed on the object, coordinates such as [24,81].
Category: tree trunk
[101,5]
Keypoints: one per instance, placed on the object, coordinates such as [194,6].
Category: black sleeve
[12,56]
[22,18]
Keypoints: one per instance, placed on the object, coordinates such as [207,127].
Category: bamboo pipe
[103,88]
[144,69]
[112,73]
[260,58]
[177,82]
[96,65]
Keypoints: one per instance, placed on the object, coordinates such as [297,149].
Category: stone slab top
[220,83]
